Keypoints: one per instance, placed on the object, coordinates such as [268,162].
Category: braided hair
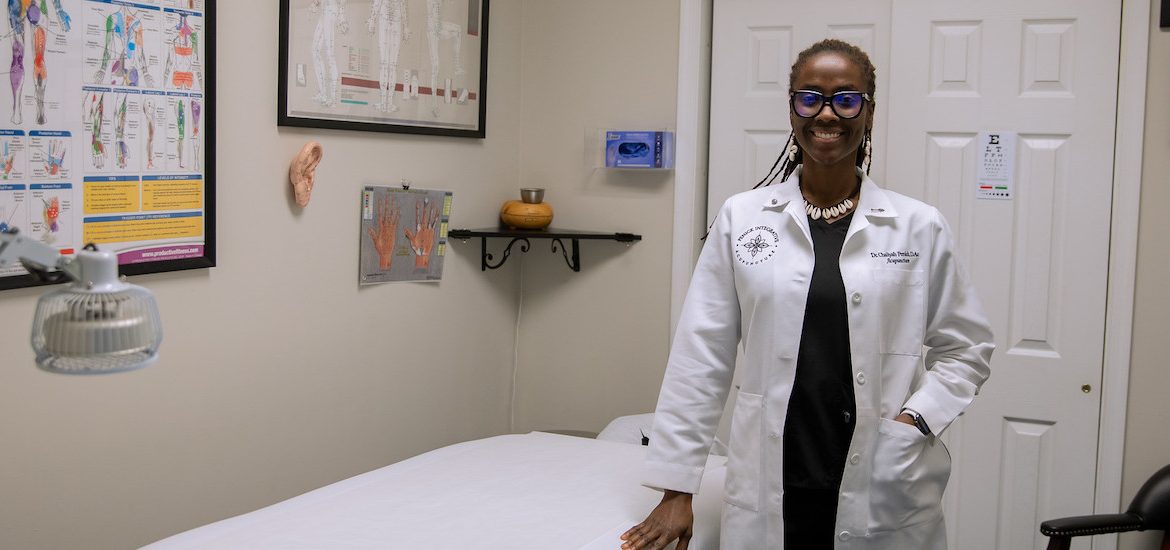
[786,162]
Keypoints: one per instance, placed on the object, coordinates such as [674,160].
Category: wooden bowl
[523,215]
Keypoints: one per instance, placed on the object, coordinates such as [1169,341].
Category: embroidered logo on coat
[756,245]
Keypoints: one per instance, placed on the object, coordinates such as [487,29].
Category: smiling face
[827,139]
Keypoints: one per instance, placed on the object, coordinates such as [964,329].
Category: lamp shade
[97,324]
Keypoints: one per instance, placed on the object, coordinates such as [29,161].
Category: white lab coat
[904,290]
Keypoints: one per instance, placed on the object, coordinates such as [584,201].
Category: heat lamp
[97,323]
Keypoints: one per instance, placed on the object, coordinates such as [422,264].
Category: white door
[1047,70]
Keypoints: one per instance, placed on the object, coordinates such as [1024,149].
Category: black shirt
[821,411]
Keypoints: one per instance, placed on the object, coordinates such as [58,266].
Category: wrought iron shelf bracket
[571,253]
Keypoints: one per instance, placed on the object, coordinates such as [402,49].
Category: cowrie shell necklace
[839,209]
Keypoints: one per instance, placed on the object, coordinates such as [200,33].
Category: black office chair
[1150,510]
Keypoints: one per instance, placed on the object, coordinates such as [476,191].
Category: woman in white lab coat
[833,287]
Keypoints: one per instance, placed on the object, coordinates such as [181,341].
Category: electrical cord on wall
[516,351]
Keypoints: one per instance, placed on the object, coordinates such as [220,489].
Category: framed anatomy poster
[107,130]
[409,66]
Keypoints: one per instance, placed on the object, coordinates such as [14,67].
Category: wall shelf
[522,236]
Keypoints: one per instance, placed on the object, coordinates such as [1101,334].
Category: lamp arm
[31,253]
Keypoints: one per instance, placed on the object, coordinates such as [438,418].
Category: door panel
[1047,70]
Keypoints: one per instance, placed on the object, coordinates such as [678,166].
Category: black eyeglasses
[809,103]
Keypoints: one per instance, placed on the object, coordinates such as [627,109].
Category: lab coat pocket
[910,472]
[903,310]
[742,486]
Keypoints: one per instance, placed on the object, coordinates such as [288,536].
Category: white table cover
[535,491]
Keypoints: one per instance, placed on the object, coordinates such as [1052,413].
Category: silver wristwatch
[919,422]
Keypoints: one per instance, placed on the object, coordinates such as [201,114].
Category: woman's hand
[905,419]
[673,519]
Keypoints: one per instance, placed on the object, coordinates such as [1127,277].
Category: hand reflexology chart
[100,126]
[404,234]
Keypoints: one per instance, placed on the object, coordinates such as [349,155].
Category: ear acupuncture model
[303,171]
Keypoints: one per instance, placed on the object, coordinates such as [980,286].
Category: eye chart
[997,165]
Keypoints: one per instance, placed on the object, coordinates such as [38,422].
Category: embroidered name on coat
[896,256]
[756,245]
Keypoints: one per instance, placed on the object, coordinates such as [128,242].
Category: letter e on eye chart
[996,165]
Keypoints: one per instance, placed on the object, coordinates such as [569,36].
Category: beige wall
[593,344]
[1147,441]
[278,374]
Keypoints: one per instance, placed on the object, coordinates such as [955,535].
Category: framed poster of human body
[408,66]
[107,130]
